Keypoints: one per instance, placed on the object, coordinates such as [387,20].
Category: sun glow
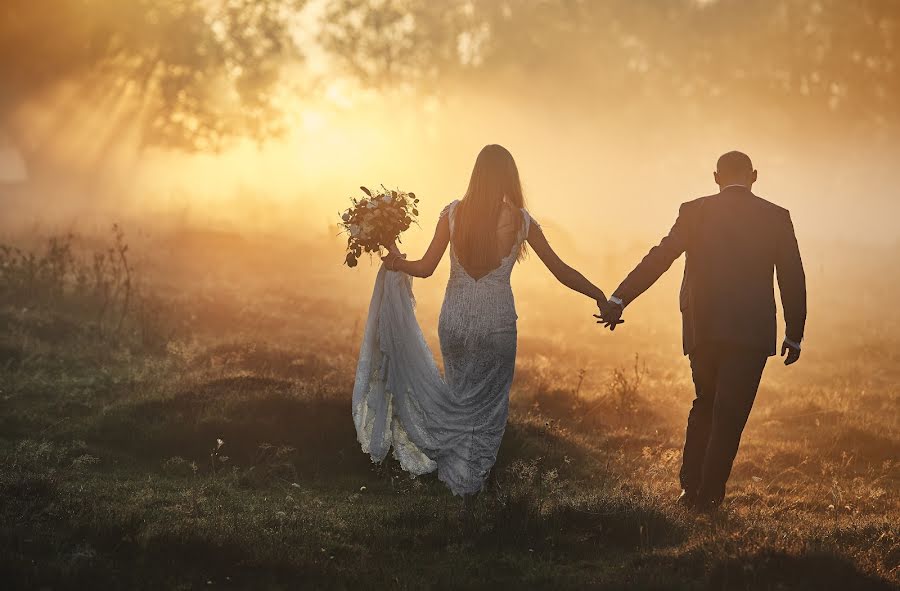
[577,155]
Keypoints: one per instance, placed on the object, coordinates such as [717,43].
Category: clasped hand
[610,314]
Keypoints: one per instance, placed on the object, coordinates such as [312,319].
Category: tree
[820,60]
[194,74]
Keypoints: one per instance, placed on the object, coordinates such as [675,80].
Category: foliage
[196,74]
[193,74]
[95,296]
[377,221]
[808,58]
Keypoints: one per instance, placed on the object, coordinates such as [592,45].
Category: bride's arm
[425,266]
[563,272]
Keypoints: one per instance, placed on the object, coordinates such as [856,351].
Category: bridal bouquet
[376,221]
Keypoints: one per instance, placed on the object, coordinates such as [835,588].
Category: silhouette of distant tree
[195,73]
[815,58]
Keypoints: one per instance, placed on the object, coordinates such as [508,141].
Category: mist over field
[223,138]
[609,138]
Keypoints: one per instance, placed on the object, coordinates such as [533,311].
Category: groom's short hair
[732,164]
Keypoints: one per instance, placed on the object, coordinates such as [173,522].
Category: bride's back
[498,242]
[486,224]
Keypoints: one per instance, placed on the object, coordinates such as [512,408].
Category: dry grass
[112,474]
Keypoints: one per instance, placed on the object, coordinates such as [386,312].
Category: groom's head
[734,168]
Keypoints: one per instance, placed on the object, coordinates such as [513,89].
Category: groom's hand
[792,350]
[610,315]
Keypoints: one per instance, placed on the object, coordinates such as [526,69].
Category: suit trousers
[726,378]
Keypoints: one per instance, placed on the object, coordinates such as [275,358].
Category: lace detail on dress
[453,424]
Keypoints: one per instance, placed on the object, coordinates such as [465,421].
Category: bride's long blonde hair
[495,178]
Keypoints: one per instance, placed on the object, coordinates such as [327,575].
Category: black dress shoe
[687,499]
[706,505]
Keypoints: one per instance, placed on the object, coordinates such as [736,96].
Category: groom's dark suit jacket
[734,242]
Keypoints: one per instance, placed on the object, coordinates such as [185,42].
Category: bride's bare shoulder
[448,207]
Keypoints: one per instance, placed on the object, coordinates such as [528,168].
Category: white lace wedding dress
[454,424]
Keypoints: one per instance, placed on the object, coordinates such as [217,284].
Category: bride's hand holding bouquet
[392,257]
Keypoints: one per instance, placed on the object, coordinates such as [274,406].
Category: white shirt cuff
[791,343]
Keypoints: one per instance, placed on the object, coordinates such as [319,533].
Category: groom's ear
[753,177]
[716,177]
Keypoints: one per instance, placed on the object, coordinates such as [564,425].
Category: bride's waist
[478,300]
[478,290]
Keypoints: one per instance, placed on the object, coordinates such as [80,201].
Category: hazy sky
[583,172]
[596,168]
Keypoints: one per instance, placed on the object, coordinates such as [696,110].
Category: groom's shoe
[687,499]
[706,505]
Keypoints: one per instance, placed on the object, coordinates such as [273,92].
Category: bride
[453,424]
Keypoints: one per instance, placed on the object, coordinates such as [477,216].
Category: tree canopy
[821,58]
[195,73]
[199,73]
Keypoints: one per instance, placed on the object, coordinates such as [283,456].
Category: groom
[734,241]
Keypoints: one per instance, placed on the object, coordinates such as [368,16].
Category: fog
[586,172]
[604,171]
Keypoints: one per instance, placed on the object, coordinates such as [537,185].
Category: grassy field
[166,428]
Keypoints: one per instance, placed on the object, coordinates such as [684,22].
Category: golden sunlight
[321,294]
